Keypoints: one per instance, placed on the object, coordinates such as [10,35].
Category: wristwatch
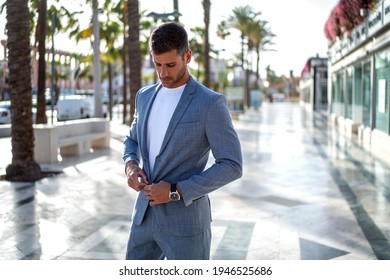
[174,194]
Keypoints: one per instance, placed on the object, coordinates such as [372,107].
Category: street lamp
[164,16]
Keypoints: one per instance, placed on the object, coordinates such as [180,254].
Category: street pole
[52,69]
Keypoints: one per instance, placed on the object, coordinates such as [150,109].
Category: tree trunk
[96,60]
[124,57]
[110,95]
[135,54]
[41,101]
[125,48]
[23,166]
[206,8]
[247,95]
[257,66]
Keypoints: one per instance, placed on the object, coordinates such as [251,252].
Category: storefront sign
[374,21]
[386,11]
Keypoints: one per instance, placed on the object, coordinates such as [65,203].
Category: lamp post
[96,60]
[164,16]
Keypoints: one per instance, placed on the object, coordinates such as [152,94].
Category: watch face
[174,196]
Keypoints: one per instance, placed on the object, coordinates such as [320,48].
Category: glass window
[366,93]
[340,94]
[382,91]
[357,100]
[357,94]
[349,93]
[324,94]
[333,94]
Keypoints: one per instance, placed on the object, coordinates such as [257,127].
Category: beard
[172,82]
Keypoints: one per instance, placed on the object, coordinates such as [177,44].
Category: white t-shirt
[160,115]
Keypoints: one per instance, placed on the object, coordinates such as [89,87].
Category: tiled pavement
[307,193]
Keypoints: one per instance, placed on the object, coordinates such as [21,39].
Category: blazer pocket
[188,125]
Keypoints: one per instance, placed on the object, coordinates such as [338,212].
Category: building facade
[313,84]
[359,80]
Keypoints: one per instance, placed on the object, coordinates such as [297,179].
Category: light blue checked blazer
[201,122]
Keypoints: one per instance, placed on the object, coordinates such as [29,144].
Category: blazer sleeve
[226,149]
[131,148]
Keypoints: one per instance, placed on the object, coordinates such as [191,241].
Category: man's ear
[188,56]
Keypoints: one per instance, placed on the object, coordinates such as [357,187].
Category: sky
[298,26]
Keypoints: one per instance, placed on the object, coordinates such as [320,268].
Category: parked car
[278,97]
[73,107]
[5,112]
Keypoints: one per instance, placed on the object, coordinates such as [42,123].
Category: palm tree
[254,32]
[40,27]
[87,33]
[197,47]
[135,54]
[206,7]
[260,36]
[241,17]
[110,30]
[23,166]
[240,20]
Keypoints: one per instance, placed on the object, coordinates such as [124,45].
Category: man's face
[171,68]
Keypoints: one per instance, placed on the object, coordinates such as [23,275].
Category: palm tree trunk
[124,57]
[242,50]
[206,8]
[23,166]
[257,63]
[135,54]
[257,67]
[247,97]
[41,101]
[110,96]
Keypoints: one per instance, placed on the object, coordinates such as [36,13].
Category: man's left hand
[157,193]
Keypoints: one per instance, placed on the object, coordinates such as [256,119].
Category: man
[176,124]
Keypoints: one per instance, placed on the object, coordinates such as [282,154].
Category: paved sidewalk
[307,193]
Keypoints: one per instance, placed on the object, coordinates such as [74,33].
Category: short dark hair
[167,37]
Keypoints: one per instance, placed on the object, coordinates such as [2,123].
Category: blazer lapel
[144,122]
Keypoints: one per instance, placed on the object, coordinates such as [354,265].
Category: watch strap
[173,187]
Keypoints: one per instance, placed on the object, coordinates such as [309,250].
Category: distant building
[67,68]
[313,84]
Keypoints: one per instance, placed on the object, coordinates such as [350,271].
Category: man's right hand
[136,177]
